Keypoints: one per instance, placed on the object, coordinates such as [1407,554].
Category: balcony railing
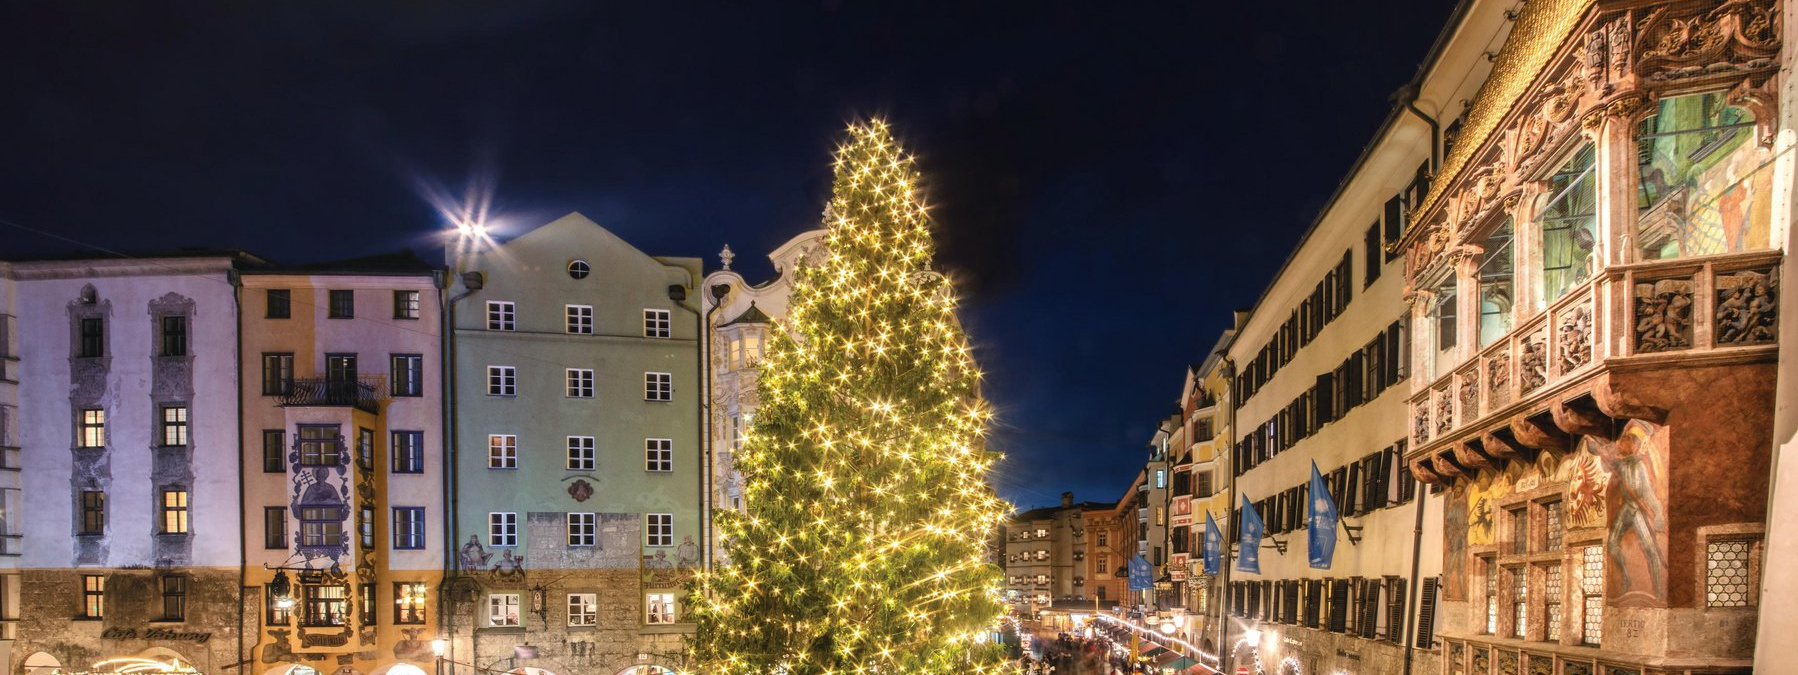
[363,393]
[1631,311]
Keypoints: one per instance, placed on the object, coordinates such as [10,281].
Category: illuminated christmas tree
[864,546]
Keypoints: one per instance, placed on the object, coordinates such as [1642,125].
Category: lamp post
[437,647]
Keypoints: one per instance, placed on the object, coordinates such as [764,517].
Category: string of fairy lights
[866,469]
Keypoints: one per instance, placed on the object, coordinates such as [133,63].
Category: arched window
[1703,187]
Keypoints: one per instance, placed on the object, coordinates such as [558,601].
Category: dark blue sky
[1109,179]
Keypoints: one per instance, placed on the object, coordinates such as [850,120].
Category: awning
[1155,652]
[1182,663]
[1166,660]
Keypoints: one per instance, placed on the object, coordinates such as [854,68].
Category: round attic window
[579,269]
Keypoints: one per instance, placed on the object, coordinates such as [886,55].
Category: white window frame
[580,383]
[659,608]
[502,610]
[502,315]
[583,530]
[502,381]
[658,323]
[582,455]
[502,451]
[658,387]
[658,529]
[577,319]
[583,609]
[502,529]
[658,455]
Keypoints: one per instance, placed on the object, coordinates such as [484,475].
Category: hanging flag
[1214,545]
[1142,576]
[1248,559]
[1320,520]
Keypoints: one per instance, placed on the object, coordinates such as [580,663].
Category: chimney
[1067,499]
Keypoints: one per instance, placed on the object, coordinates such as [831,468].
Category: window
[93,596]
[1552,527]
[502,451]
[1520,530]
[277,373]
[365,448]
[580,383]
[1372,256]
[365,526]
[174,512]
[657,323]
[502,381]
[174,426]
[1160,481]
[1551,595]
[274,450]
[1591,587]
[659,529]
[579,269]
[343,305]
[502,609]
[409,600]
[325,605]
[1491,569]
[1443,316]
[1104,539]
[408,373]
[659,453]
[174,597]
[659,608]
[1704,187]
[320,445]
[1726,578]
[280,610]
[321,526]
[93,339]
[274,527]
[1497,285]
[582,529]
[408,527]
[502,528]
[583,609]
[369,615]
[581,454]
[92,429]
[280,304]
[93,512]
[1520,601]
[658,387]
[405,304]
[408,451]
[1568,228]
[502,315]
[340,373]
[174,336]
[579,319]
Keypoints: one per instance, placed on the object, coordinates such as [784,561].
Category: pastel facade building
[127,533]
[578,487]
[343,475]
[12,496]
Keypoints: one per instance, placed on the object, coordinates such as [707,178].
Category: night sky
[1109,180]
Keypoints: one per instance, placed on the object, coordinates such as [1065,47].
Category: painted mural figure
[1639,510]
[687,554]
[474,555]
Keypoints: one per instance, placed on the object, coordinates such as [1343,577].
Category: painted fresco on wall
[1636,541]
[1454,549]
[1586,483]
[1705,187]
[1483,497]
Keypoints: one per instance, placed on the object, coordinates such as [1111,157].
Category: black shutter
[1395,610]
[1345,286]
[1339,595]
[1395,214]
[1356,391]
[1372,257]
[1426,615]
[1369,619]
[1395,353]
[1326,398]
[1351,490]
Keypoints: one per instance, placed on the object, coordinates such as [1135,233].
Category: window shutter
[1394,221]
[1370,608]
[1426,615]
[1395,610]
[1339,595]
[1351,492]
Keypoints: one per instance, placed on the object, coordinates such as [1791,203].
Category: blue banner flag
[1248,559]
[1214,545]
[1142,576]
[1320,520]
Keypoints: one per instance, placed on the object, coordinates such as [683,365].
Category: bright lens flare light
[139,665]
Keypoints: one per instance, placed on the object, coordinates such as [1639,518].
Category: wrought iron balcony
[1710,308]
[363,393]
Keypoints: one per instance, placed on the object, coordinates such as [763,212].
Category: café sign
[148,633]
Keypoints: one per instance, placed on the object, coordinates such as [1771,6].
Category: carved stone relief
[1420,421]
[1469,383]
[1679,42]
[1445,411]
[1747,308]
[1663,315]
[1532,366]
[1573,338]
[1498,380]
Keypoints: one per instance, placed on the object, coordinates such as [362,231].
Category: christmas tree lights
[864,546]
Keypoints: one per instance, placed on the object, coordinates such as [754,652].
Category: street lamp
[437,647]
